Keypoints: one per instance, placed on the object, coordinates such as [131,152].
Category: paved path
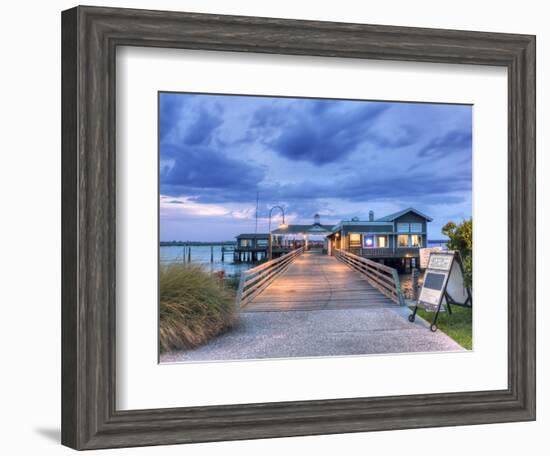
[343,316]
[339,332]
[315,281]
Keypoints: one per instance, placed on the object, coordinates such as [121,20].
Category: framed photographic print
[279,228]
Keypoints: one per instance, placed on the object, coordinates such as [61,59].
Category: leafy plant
[460,238]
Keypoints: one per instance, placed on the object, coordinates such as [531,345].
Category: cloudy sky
[337,158]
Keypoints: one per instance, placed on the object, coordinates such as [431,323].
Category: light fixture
[282,226]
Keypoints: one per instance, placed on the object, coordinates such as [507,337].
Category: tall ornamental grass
[195,306]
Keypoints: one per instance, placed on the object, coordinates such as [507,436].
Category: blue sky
[337,158]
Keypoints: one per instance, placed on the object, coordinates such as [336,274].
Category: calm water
[437,243]
[201,255]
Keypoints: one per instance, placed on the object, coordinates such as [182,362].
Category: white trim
[142,383]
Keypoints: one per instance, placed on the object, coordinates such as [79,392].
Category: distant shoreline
[194,243]
[206,243]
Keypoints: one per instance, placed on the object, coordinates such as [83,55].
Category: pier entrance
[315,281]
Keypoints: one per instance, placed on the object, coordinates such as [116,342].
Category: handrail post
[398,288]
[262,276]
[377,274]
[240,290]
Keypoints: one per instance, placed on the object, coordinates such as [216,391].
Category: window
[381,241]
[246,242]
[261,242]
[416,240]
[416,227]
[368,242]
[402,240]
[355,240]
[403,227]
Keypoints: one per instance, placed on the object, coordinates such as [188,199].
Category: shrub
[232,281]
[460,238]
[194,307]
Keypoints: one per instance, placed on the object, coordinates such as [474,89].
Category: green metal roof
[396,215]
[298,229]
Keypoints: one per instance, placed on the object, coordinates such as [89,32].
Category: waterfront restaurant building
[395,238]
[251,247]
[308,236]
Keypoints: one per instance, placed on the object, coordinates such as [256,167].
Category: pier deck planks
[314,282]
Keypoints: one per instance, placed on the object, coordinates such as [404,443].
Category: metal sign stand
[445,297]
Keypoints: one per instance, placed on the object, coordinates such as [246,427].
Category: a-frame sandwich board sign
[443,286]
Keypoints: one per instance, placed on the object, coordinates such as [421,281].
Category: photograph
[294,227]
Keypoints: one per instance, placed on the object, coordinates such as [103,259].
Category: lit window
[368,242]
[416,240]
[354,240]
[403,240]
[403,227]
[382,241]
[245,242]
[416,227]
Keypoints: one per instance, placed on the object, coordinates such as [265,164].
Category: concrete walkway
[332,332]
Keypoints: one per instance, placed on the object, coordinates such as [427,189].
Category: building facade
[251,247]
[307,236]
[398,236]
[394,239]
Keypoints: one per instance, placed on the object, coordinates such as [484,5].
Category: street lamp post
[283,226]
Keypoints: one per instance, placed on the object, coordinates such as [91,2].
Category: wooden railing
[254,281]
[380,276]
[388,252]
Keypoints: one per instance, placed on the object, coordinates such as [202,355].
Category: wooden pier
[313,281]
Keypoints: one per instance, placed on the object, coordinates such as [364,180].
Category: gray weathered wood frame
[90,36]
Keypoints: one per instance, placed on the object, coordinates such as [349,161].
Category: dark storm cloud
[316,131]
[269,117]
[197,125]
[451,142]
[191,161]
[402,136]
[170,107]
[363,188]
[200,131]
[306,196]
[406,185]
[199,167]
